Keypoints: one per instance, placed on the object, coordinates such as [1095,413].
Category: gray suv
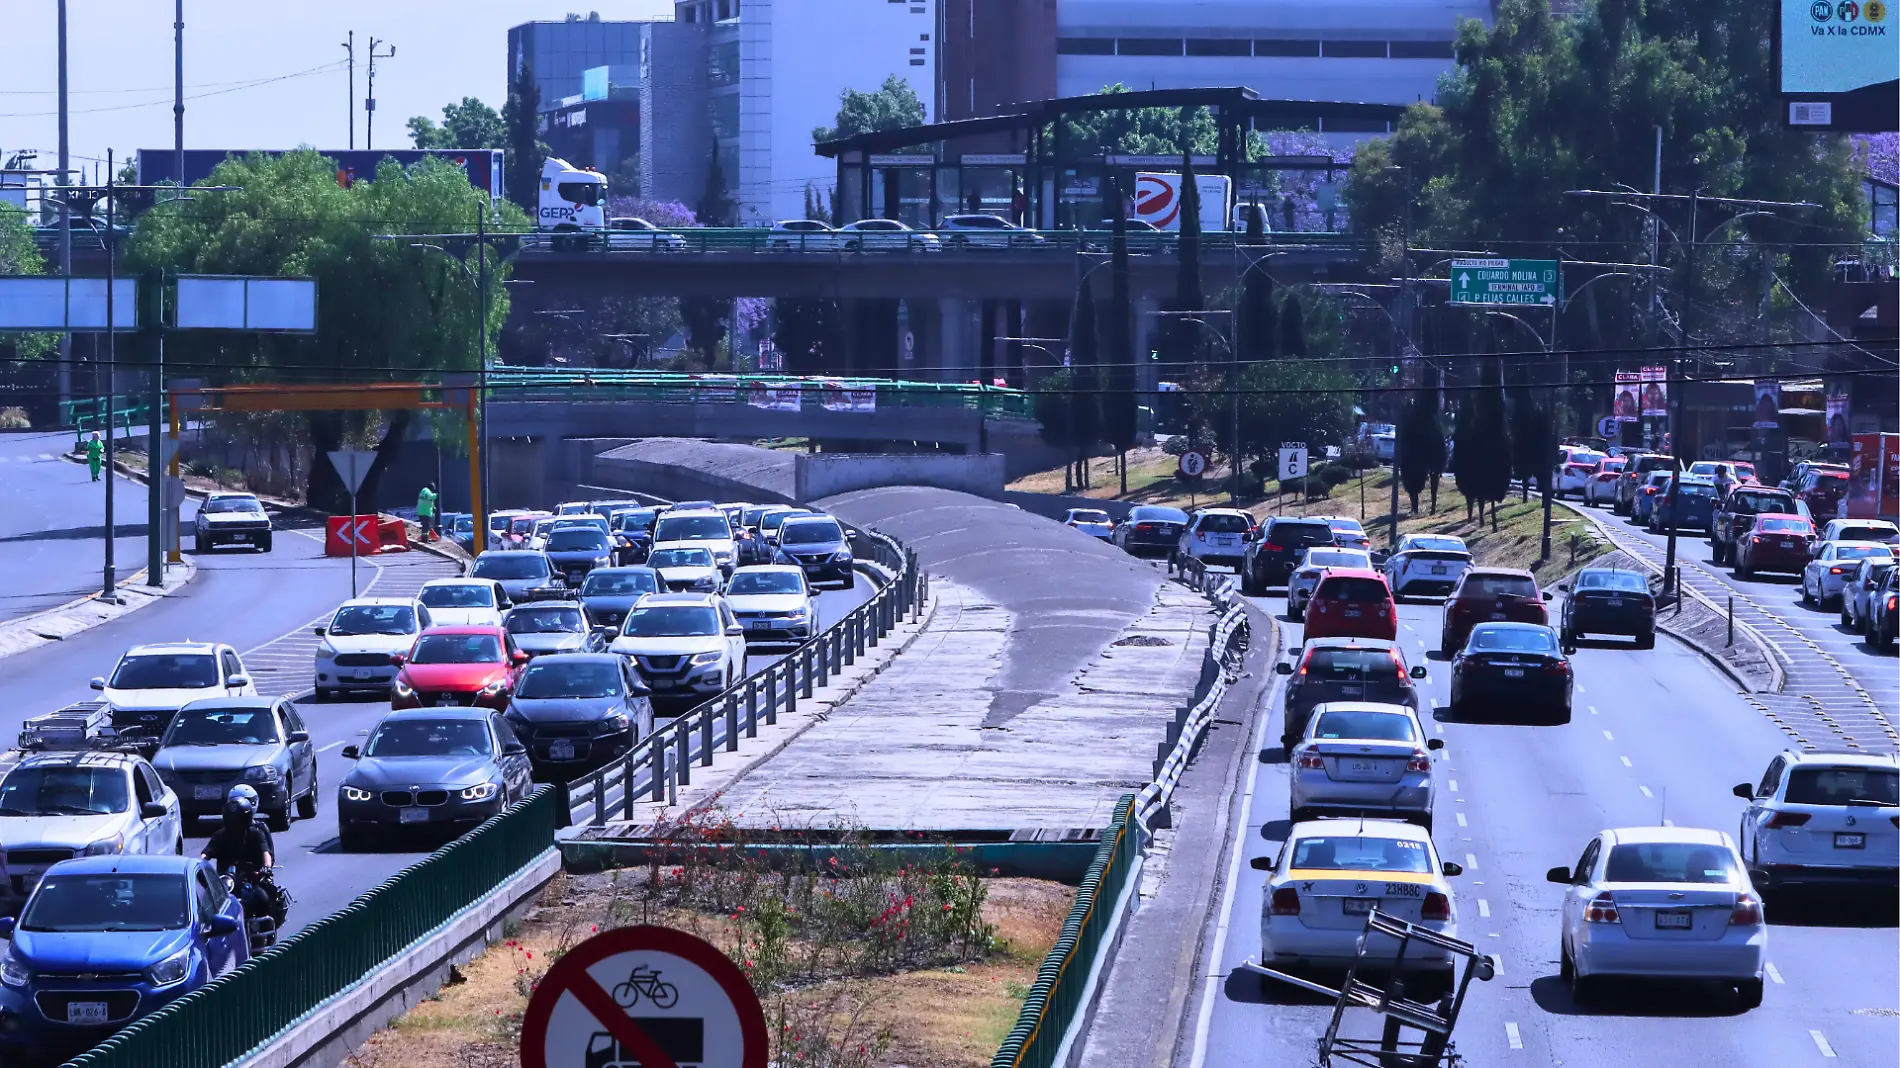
[1344,669]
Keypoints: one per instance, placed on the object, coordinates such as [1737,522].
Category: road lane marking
[1774,974]
[1625,760]
[1593,710]
[1608,737]
[1438,727]
[1820,1042]
[1461,819]
[1645,790]
[1471,862]
[1452,784]
[329,747]
[1497,963]
[1580,688]
[1484,909]
[1669,823]
[1517,1040]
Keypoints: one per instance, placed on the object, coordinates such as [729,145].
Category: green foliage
[468,124]
[1482,446]
[1421,444]
[19,255]
[1118,359]
[520,118]
[1533,440]
[716,206]
[892,106]
[1142,131]
[1055,408]
[1280,402]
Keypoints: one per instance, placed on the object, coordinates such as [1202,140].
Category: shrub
[14,419]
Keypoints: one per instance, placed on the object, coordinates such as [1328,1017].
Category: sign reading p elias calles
[1838,62]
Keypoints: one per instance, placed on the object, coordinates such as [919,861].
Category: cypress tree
[1118,373]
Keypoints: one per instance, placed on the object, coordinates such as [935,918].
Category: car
[1091,521]
[1823,818]
[551,627]
[633,534]
[1738,473]
[576,550]
[468,664]
[1608,600]
[691,506]
[1363,759]
[1824,579]
[592,520]
[1490,595]
[462,532]
[774,603]
[1601,487]
[771,518]
[1655,486]
[1148,529]
[232,519]
[1515,666]
[1352,603]
[1689,505]
[1660,903]
[1799,472]
[886,235]
[261,742]
[359,642]
[521,528]
[1344,669]
[1575,474]
[436,768]
[978,230]
[566,508]
[577,711]
[62,804]
[1776,542]
[632,233]
[1862,586]
[686,645]
[1348,533]
[803,235]
[1736,513]
[1330,874]
[522,574]
[1884,616]
[1314,564]
[1636,474]
[1824,489]
[705,529]
[152,682]
[1426,565]
[1270,559]
[498,524]
[106,940]
[1219,536]
[537,536]
[1875,530]
[690,569]
[609,592]
[464,601]
[819,545]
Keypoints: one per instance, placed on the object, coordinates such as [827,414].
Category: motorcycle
[265,904]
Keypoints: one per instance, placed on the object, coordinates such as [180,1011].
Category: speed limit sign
[1193,464]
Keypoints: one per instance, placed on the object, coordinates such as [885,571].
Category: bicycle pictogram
[645,982]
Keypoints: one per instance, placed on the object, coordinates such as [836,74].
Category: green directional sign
[1491,281]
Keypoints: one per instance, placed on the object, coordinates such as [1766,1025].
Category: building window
[1215,46]
[1353,49]
[1421,49]
[1281,47]
[917,51]
[1085,46]
[916,62]
[1148,46]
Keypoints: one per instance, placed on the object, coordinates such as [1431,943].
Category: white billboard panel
[228,303]
[42,303]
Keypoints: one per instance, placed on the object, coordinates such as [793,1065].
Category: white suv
[1217,536]
[707,529]
[1824,818]
[82,804]
[1426,564]
[152,682]
[979,230]
[685,644]
[359,640]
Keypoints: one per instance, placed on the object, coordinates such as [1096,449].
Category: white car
[1601,488]
[1824,819]
[979,230]
[1426,565]
[1575,474]
[773,602]
[61,805]
[707,529]
[689,568]
[631,233]
[887,235]
[1661,903]
[1363,758]
[1217,536]
[685,644]
[457,602]
[1876,530]
[803,235]
[358,641]
[1091,521]
[1330,874]
[537,539]
[1313,564]
[573,508]
[1824,576]
[231,519]
[152,682]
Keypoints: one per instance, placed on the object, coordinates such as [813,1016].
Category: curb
[34,630]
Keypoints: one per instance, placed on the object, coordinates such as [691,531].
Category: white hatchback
[1217,536]
[152,682]
[463,602]
[359,640]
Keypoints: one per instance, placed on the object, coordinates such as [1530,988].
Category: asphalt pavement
[52,530]
[1656,736]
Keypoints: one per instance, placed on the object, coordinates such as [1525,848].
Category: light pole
[64,178]
[478,474]
[369,101]
[1233,378]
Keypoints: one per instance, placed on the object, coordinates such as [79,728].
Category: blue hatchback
[105,940]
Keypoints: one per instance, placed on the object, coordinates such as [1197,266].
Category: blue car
[105,940]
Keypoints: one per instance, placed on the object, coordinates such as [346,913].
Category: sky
[257,75]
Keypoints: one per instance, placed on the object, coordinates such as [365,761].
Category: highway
[1656,736]
[52,531]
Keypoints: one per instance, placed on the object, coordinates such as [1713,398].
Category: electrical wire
[233,88]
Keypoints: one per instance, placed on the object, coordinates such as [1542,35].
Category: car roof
[1859,543]
[1349,572]
[655,600]
[1313,519]
[811,517]
[507,552]
[259,701]
[69,758]
[174,647]
[676,513]
[620,569]
[1842,757]
[1780,515]
[1361,827]
[773,568]
[1684,835]
[460,581]
[1349,643]
[1514,572]
[578,658]
[552,602]
[463,712]
[1224,511]
[130,863]
[374,602]
[224,494]
[1364,706]
[464,628]
[1500,624]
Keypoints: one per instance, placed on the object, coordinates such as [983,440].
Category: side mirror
[1558,875]
[1283,668]
[1451,868]
[734,631]
[505,604]
[1546,595]
[98,682]
[1261,863]
[237,681]
[514,749]
[1564,586]
[297,737]
[1434,744]
[351,752]
[520,658]
[318,631]
[1744,791]
[152,810]
[397,659]
[1418,671]
[6,926]
[1247,537]
[221,926]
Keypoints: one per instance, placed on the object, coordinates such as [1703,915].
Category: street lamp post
[1233,379]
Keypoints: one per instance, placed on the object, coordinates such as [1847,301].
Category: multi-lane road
[1657,736]
[52,529]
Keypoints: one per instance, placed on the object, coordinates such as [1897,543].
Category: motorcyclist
[243,847]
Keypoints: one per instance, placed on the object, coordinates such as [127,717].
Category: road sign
[351,466]
[1497,282]
[1292,460]
[1193,464]
[1607,426]
[358,532]
[650,996]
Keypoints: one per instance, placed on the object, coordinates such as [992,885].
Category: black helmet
[240,803]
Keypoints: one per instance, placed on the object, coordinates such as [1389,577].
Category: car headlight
[800,614]
[402,689]
[721,554]
[326,651]
[710,656]
[843,557]
[105,846]
[172,969]
[495,689]
[351,793]
[619,722]
[263,773]
[603,561]
[481,791]
[12,972]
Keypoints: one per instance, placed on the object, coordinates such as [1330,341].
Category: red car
[1352,602]
[1777,542]
[1490,595]
[467,665]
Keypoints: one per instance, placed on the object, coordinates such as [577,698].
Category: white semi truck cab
[571,198]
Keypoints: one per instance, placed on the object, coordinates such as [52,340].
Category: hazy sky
[120,68]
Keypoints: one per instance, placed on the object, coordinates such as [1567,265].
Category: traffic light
[1393,370]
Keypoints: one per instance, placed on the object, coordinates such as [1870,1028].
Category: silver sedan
[1313,564]
[1363,758]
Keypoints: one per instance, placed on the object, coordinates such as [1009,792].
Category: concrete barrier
[1057,505]
[685,469]
[827,473]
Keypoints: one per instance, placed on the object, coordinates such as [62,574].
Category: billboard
[1873,477]
[1837,63]
[1837,419]
[1629,387]
[484,166]
[1767,404]
[1655,396]
[1158,199]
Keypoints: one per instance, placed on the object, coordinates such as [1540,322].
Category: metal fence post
[656,745]
[1731,620]
[789,669]
[732,713]
[683,761]
[600,797]
[706,732]
[804,687]
[627,765]
[856,642]
[877,623]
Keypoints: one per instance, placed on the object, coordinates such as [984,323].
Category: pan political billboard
[1838,64]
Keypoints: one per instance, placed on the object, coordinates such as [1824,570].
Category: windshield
[511,566]
[372,619]
[1346,526]
[523,524]
[429,738]
[545,620]
[619,583]
[1790,526]
[761,582]
[1349,665]
[222,726]
[1861,552]
[55,790]
[1299,534]
[1844,786]
[460,595]
[813,532]
[692,528]
[770,521]
[166,671]
[1759,502]
[1336,558]
[1625,581]
[1500,586]
[1153,514]
[1864,534]
[1362,854]
[577,539]
[1350,588]
[110,901]
[1669,862]
[671,621]
[579,192]
[1512,640]
[680,558]
[1088,515]
[1370,726]
[1695,489]
[1453,545]
[457,649]
[634,522]
[231,504]
[1236,524]
[550,679]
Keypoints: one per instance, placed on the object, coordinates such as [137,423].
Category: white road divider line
[1645,790]
[1516,1040]
[1593,710]
[332,745]
[1452,785]
[1820,1043]
[1625,760]
[1608,737]
[1580,687]
[1774,973]
[1484,909]
[1461,819]
[1471,862]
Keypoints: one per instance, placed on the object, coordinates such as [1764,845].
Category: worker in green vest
[95,455]
[425,511]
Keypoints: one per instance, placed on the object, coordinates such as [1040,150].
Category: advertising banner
[1767,404]
[1838,64]
[1628,408]
[848,396]
[715,389]
[1873,477]
[774,398]
[1655,391]
[1837,419]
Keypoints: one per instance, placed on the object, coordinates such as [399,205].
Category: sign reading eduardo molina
[1501,282]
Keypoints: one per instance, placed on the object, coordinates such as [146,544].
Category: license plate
[1497,615]
[207,793]
[1513,673]
[412,815]
[660,684]
[1787,545]
[1674,921]
[234,537]
[1352,691]
[362,676]
[1352,613]
[1438,569]
[1364,767]
[1357,906]
[1850,841]
[444,699]
[1614,602]
[85,1012]
[759,624]
[560,750]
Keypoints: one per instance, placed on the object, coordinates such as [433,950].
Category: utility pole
[349,106]
[480,490]
[64,179]
[178,91]
[1405,309]
[1678,408]
[111,578]
[369,101]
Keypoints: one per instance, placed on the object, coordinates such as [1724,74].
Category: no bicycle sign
[644,997]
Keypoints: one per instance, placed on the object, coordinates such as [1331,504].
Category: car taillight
[1747,912]
[1786,819]
[1837,571]
[1312,760]
[1421,761]
[1602,909]
[1272,548]
[1286,902]
[1558,667]
[1756,539]
[1397,664]
[1436,907]
[1144,527]
[1893,602]
[1200,535]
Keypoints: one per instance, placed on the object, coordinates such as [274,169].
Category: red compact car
[1777,542]
[1490,595]
[1352,602]
[469,665]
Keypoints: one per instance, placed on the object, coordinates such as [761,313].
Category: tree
[1283,401]
[716,206]
[1292,329]
[705,317]
[1055,414]
[1484,449]
[1258,325]
[521,117]
[892,106]
[1421,444]
[467,124]
[1533,441]
[1085,409]
[20,255]
[1118,374]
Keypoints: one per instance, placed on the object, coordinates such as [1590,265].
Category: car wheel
[1583,989]
[352,839]
[1741,570]
[307,804]
[320,695]
[1566,969]
[1806,597]
[279,821]
[178,847]
[263,544]
[1750,991]
[1846,620]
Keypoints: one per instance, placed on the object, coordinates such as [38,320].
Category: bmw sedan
[577,711]
[433,768]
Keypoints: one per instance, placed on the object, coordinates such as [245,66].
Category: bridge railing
[779,392]
[86,414]
[696,240]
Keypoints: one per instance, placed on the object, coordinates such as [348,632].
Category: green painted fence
[228,1018]
[682,388]
[87,414]
[1056,997]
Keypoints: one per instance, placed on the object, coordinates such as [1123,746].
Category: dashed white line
[1669,823]
[1452,785]
[1580,687]
[1438,727]
[1497,963]
[1517,1040]
[1820,1043]
[1484,909]
[1461,819]
[1645,790]
[1471,862]
[1625,760]
[1608,737]
[1774,974]
[327,748]
[1593,710]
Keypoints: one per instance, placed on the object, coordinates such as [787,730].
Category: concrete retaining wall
[1057,505]
[827,473]
[684,469]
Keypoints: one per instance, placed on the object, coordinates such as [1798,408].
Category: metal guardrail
[243,1009]
[663,761]
[86,414]
[662,387]
[696,240]
[1225,650]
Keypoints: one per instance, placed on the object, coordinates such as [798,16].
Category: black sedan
[221,742]
[578,711]
[818,544]
[1605,600]
[1511,666]
[610,592]
[575,551]
[633,534]
[430,769]
[1149,528]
